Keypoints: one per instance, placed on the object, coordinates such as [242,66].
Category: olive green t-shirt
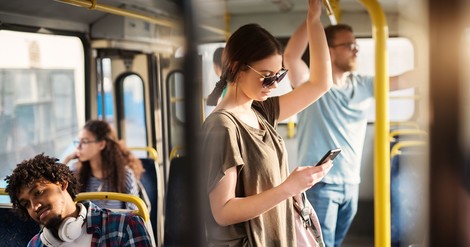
[261,160]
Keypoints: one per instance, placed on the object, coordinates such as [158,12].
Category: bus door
[172,109]
[122,94]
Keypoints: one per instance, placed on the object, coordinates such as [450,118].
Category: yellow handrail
[417,132]
[396,150]
[405,123]
[142,210]
[382,221]
[94,5]
[290,128]
[332,10]
[174,152]
[118,11]
[2,191]
[153,154]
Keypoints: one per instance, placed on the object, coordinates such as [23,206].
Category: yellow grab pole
[382,222]
[290,128]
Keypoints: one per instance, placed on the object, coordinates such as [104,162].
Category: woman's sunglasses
[270,80]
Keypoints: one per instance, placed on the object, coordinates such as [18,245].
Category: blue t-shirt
[337,119]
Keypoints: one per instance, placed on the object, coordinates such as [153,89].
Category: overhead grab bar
[92,4]
[330,12]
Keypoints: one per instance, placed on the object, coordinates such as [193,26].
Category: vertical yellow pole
[382,217]
[290,128]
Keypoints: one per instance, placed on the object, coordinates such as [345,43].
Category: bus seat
[175,203]
[149,181]
[144,196]
[142,210]
[152,182]
[407,188]
[15,231]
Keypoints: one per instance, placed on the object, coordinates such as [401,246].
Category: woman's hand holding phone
[329,156]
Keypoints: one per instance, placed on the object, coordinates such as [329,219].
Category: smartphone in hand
[330,155]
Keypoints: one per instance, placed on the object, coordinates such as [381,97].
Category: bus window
[105,92]
[209,78]
[134,111]
[400,59]
[176,120]
[41,95]
[177,93]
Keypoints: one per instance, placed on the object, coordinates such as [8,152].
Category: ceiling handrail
[94,5]
[330,12]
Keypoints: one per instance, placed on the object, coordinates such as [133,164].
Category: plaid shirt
[110,229]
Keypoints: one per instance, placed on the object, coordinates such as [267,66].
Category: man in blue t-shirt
[337,119]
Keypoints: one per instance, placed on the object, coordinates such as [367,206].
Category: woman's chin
[263,98]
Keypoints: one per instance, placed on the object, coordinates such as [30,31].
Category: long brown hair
[113,160]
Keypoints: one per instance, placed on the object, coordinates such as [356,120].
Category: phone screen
[330,155]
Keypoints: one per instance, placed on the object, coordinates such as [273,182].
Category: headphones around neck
[69,230]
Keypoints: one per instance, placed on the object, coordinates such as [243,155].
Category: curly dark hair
[39,167]
[113,159]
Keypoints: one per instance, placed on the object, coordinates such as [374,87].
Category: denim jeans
[336,206]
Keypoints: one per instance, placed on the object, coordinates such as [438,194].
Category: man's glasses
[77,143]
[270,80]
[350,45]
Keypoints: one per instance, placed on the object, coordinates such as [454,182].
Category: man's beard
[54,222]
[348,66]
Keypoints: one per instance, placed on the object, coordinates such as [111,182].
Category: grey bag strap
[305,211]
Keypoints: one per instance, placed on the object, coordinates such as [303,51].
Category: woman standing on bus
[248,183]
[102,165]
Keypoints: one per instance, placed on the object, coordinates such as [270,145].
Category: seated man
[45,190]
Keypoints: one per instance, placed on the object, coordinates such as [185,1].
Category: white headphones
[69,230]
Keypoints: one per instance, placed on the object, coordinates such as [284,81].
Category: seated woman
[103,164]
